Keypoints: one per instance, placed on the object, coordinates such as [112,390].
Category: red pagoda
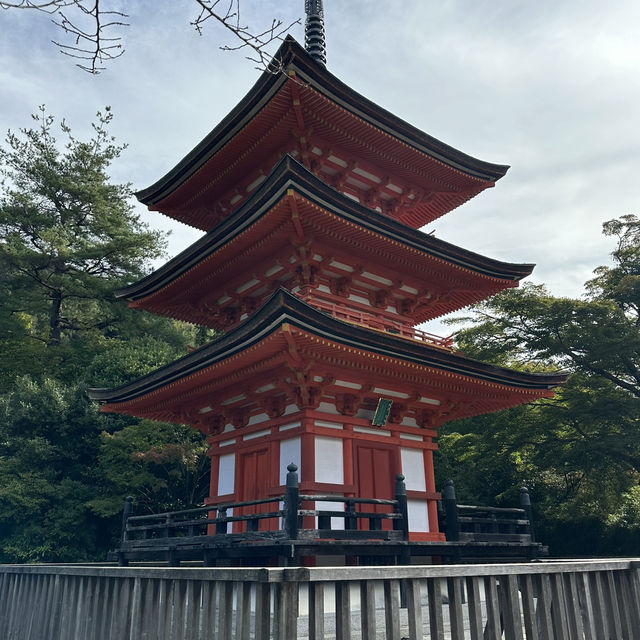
[314,270]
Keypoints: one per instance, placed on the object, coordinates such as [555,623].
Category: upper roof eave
[289,173]
[283,307]
[291,55]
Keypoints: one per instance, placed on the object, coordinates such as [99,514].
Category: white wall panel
[289,452]
[418,515]
[226,474]
[413,469]
[329,460]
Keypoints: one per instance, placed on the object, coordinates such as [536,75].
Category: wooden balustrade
[542,601]
[291,526]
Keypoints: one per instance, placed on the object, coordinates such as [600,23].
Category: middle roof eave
[290,174]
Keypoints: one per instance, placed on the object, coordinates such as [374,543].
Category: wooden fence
[590,600]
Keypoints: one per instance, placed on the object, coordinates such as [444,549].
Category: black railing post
[291,503]
[401,499]
[350,518]
[452,526]
[126,512]
[168,525]
[221,527]
[525,503]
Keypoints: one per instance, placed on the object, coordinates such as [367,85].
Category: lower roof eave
[285,312]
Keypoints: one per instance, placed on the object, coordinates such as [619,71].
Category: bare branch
[92,43]
[90,28]
[256,43]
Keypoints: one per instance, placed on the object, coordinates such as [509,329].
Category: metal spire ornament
[314,41]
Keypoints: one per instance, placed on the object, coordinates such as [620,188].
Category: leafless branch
[89,42]
[91,29]
[92,43]
[227,13]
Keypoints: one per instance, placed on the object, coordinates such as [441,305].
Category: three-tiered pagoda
[314,270]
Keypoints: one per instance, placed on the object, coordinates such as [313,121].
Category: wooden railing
[463,522]
[534,601]
[203,528]
[384,324]
[362,529]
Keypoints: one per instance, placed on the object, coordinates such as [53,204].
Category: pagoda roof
[302,97]
[205,268]
[260,342]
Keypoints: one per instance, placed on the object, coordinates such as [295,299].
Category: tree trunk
[54,318]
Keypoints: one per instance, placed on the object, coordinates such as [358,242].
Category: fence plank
[456,619]
[343,610]
[475,608]
[510,599]
[368,608]
[529,608]
[243,611]
[612,605]
[634,591]
[602,626]
[414,609]
[493,629]
[392,609]
[316,611]
[574,615]
[434,594]
[625,606]
[225,607]
[263,611]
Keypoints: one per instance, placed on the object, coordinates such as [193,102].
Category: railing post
[291,503]
[401,499]
[452,526]
[350,518]
[221,527]
[126,512]
[168,525]
[525,503]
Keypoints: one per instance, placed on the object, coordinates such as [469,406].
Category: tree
[68,236]
[94,31]
[580,452]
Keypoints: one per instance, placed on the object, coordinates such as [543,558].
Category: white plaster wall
[413,469]
[329,461]
[290,451]
[226,474]
[418,515]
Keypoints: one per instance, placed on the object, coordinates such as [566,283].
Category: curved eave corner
[290,55]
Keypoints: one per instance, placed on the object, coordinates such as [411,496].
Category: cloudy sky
[550,87]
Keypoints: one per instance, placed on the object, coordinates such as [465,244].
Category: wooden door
[254,479]
[375,476]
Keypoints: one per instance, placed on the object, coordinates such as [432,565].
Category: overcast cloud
[551,88]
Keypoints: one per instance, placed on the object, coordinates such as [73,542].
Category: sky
[551,88]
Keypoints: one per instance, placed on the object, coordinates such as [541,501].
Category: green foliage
[580,452]
[68,238]
[163,466]
[67,235]
[48,438]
